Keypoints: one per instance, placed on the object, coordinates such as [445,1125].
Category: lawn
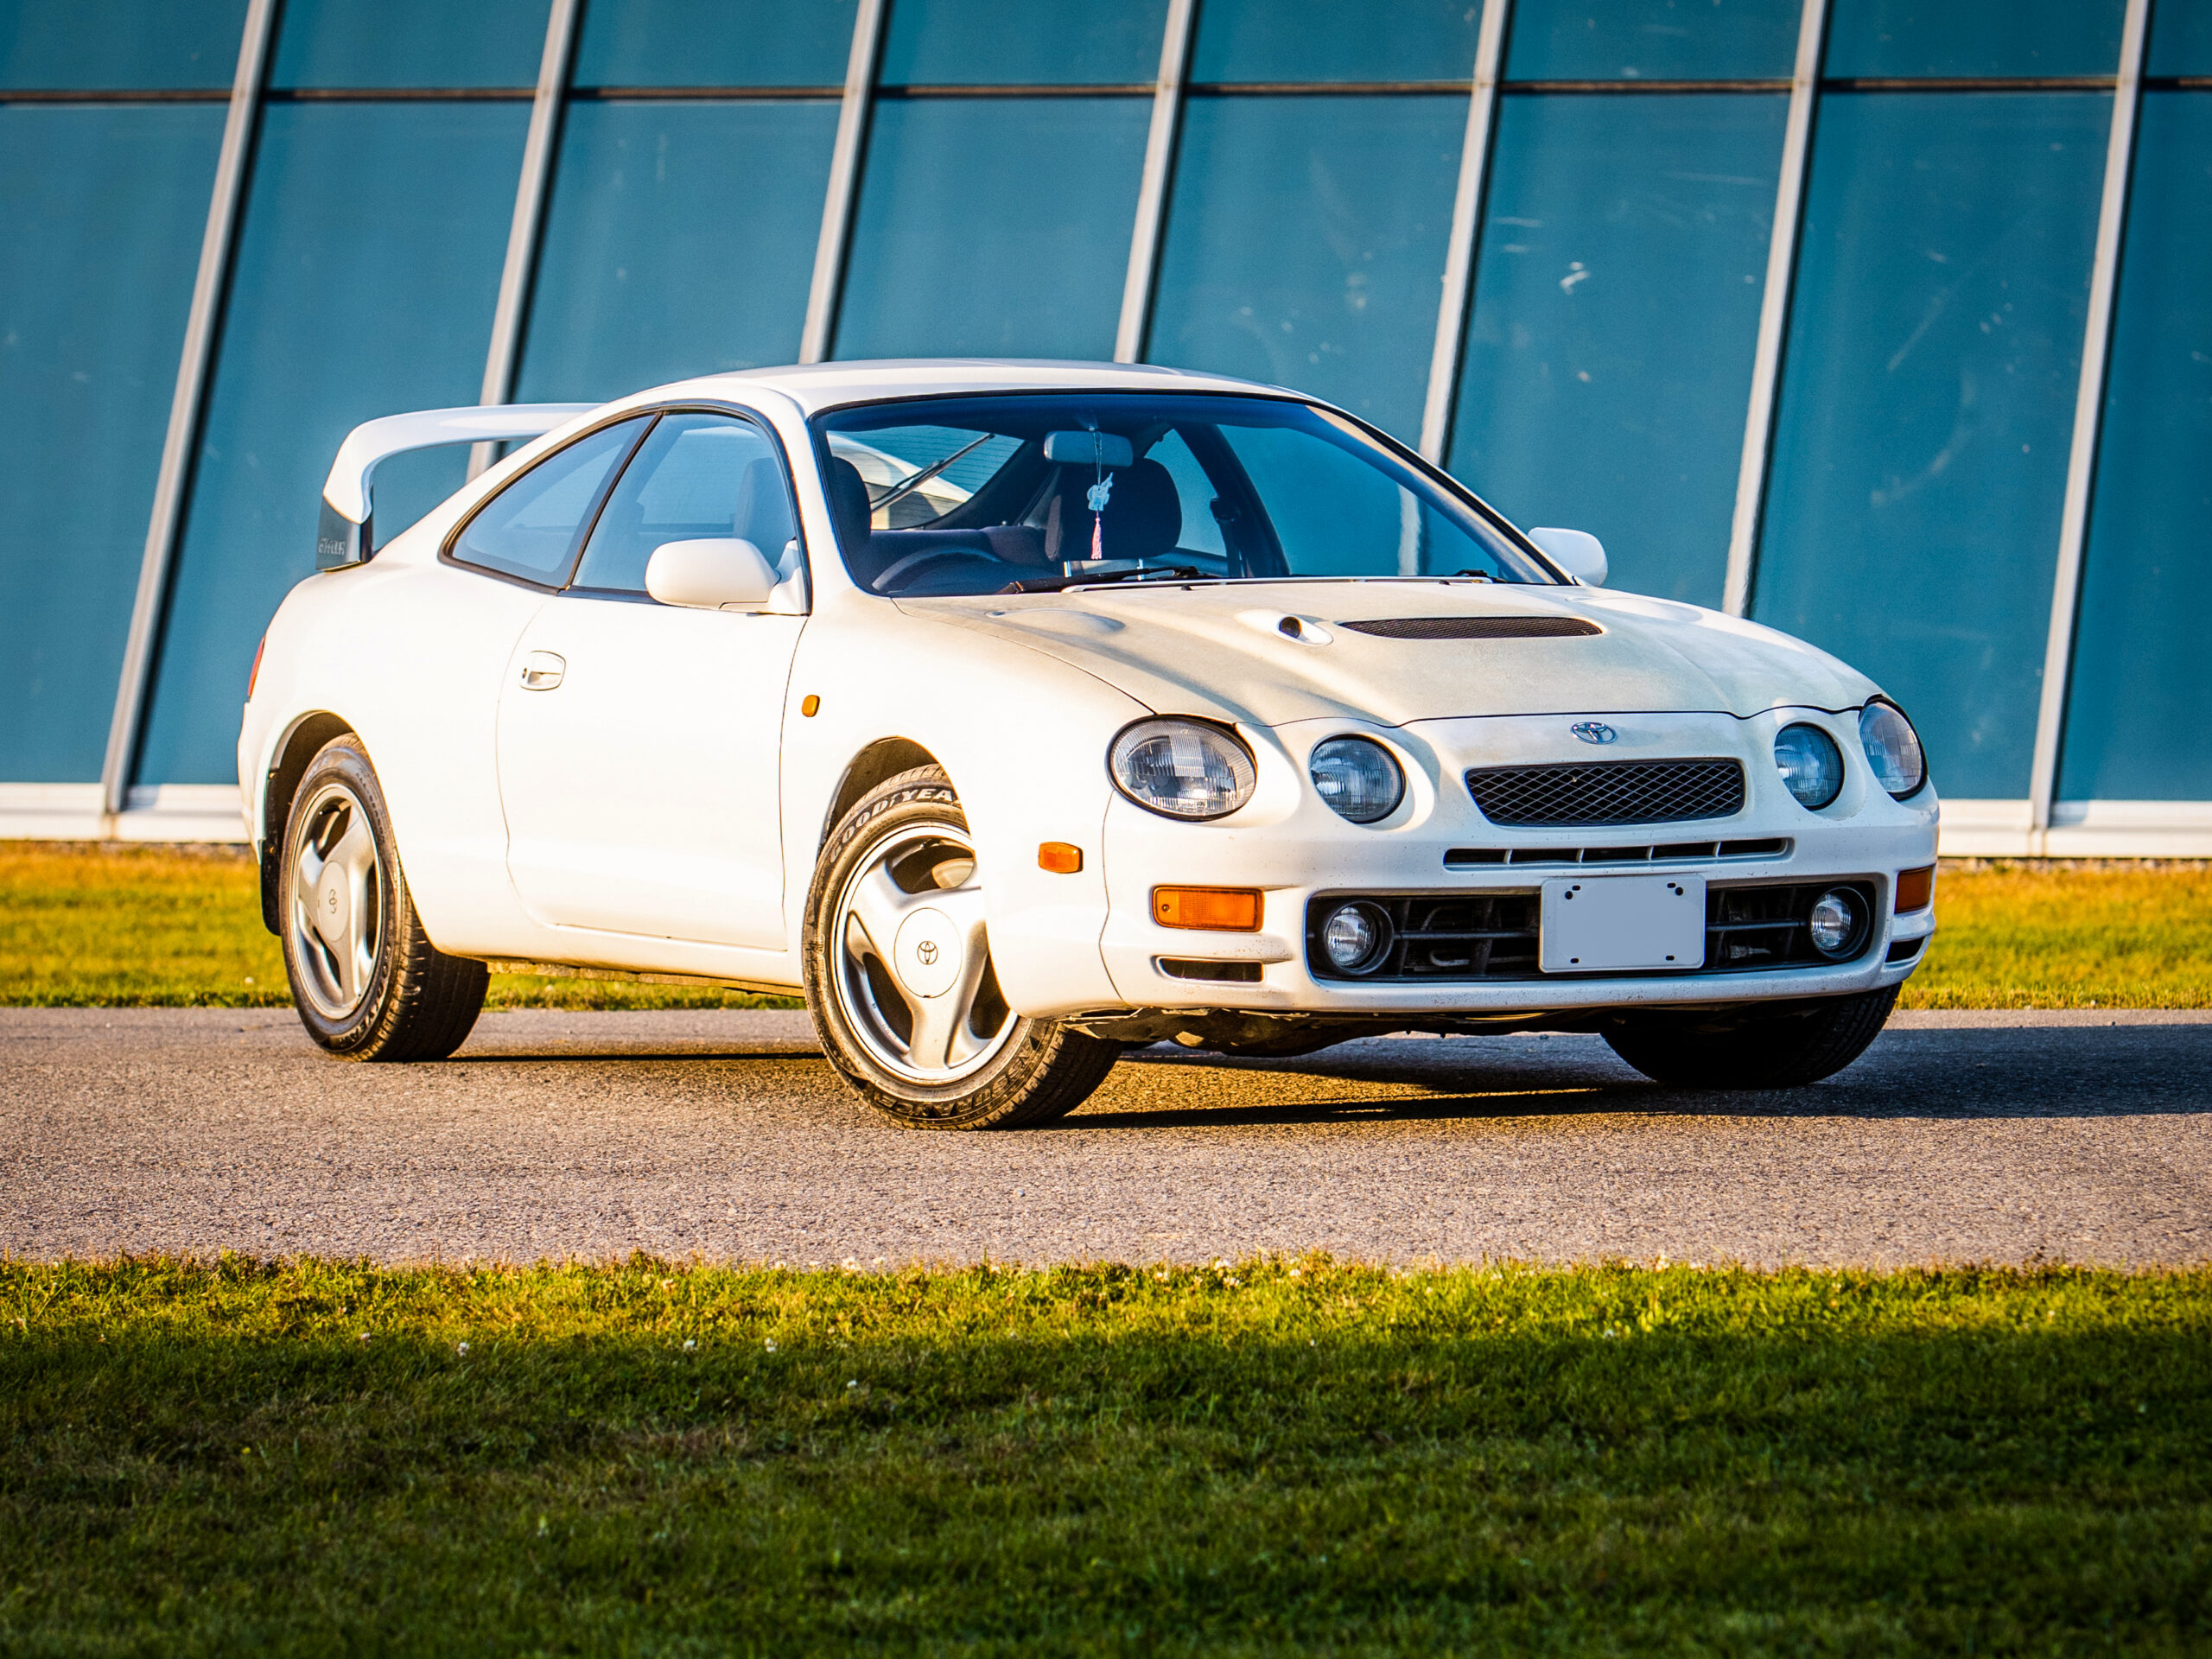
[1270,1457]
[93,926]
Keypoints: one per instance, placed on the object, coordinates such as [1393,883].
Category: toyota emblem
[1593,731]
[927,951]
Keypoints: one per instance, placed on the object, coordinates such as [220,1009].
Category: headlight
[1357,777]
[1810,764]
[1892,748]
[1182,768]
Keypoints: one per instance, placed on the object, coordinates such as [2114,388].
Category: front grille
[1493,936]
[1474,627]
[1617,791]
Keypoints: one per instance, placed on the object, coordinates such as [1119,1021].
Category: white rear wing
[344,536]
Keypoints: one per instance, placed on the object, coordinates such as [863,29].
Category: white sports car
[1017,713]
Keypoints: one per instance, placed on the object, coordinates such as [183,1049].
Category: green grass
[1280,1457]
[157,927]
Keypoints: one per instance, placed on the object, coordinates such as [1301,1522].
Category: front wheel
[900,981]
[1757,1050]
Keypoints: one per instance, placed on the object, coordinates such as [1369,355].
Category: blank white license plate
[1603,924]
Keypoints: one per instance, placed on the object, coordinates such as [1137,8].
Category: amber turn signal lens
[1224,910]
[1915,889]
[809,704]
[1059,857]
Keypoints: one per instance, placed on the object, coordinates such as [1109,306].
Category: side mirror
[1578,553]
[723,573]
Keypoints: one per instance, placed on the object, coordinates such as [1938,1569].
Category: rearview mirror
[722,573]
[1090,448]
[1578,553]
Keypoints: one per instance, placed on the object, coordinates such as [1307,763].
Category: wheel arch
[885,758]
[287,765]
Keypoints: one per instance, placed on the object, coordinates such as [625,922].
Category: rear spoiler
[344,536]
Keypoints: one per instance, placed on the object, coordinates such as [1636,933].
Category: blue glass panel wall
[1907,38]
[1019,43]
[1617,297]
[119,45]
[92,320]
[2142,674]
[1305,246]
[680,241]
[995,227]
[2181,39]
[1335,40]
[714,42]
[366,43]
[1652,40]
[1927,402]
[368,268]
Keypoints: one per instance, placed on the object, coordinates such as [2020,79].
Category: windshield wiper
[905,487]
[1055,584]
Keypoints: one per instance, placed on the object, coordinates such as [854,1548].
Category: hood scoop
[1474,627]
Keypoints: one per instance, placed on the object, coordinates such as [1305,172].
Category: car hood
[1224,650]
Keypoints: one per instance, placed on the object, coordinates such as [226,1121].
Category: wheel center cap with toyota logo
[332,906]
[927,953]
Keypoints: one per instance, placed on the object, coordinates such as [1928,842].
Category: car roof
[818,386]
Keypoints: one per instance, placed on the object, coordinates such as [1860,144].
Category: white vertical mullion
[1466,226]
[529,213]
[1774,307]
[2089,411]
[1138,285]
[844,181]
[183,434]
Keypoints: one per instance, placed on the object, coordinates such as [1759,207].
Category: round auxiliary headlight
[1356,937]
[1892,748]
[1835,922]
[1357,777]
[1182,768]
[1810,764]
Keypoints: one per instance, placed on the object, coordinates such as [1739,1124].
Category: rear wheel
[899,980]
[1756,1050]
[368,983]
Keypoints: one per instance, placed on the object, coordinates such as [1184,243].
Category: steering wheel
[921,561]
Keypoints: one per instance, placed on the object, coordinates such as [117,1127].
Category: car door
[640,743]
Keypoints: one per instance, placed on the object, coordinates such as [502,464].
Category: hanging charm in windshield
[1097,495]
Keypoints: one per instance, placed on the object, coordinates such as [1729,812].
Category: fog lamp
[1838,919]
[1356,937]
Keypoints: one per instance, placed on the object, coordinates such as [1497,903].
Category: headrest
[1143,517]
[849,508]
[762,513]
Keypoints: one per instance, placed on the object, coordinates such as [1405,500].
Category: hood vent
[1475,627]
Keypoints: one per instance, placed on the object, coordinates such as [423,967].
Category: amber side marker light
[254,678]
[809,704]
[1059,857]
[1915,889]
[1224,909]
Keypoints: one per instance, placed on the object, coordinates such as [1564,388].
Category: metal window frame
[845,158]
[1146,234]
[187,403]
[1458,300]
[1774,309]
[2088,415]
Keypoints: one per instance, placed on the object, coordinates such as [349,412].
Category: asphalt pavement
[1986,1137]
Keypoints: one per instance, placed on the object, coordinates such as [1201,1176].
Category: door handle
[542,670]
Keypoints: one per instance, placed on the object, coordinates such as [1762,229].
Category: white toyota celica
[1019,711]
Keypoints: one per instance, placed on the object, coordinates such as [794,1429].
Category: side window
[698,476]
[529,528]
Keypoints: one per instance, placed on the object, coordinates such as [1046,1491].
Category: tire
[368,983]
[1770,1050]
[915,1022]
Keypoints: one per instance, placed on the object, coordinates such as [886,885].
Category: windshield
[1032,491]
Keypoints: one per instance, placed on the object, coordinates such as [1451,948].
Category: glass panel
[714,42]
[1305,243]
[698,477]
[119,45]
[368,268]
[1652,40]
[1335,40]
[1974,37]
[680,241]
[1616,309]
[2181,38]
[1016,42]
[529,529]
[92,320]
[408,43]
[994,227]
[2142,677]
[1186,487]
[1927,402]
